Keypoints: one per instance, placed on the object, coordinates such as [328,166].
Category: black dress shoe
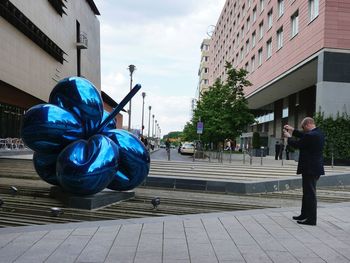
[307,222]
[301,217]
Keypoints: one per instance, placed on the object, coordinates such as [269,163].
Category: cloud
[162,38]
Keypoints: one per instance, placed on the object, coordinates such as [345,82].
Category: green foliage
[337,133]
[189,132]
[223,109]
[256,140]
[173,135]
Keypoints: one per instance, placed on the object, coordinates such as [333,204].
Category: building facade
[297,53]
[203,72]
[42,42]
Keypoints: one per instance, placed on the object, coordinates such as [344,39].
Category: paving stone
[20,245]
[268,235]
[125,244]
[70,249]
[174,229]
[7,238]
[99,245]
[175,249]
[42,249]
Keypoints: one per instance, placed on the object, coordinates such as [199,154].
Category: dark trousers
[309,202]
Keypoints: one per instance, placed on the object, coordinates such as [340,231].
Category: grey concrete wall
[29,68]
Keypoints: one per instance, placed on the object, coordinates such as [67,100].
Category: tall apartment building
[297,53]
[203,72]
[42,42]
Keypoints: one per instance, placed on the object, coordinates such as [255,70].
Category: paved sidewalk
[268,235]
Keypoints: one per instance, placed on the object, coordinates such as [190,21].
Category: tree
[223,109]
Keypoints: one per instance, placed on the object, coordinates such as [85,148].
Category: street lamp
[143,108]
[149,119]
[131,68]
[153,125]
[155,128]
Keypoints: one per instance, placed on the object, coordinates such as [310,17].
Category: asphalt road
[161,154]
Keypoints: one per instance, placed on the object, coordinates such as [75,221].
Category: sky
[162,39]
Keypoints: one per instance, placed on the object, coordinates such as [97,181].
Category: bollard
[243,156]
[261,155]
[332,160]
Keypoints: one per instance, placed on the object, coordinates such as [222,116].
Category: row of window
[313,13]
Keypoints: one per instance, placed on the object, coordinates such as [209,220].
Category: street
[161,154]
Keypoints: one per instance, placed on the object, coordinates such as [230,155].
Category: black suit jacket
[310,145]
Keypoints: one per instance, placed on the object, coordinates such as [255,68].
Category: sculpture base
[89,202]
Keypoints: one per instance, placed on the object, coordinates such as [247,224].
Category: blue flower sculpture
[76,144]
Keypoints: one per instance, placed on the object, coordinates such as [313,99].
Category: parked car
[162,146]
[187,148]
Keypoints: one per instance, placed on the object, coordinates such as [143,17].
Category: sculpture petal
[47,128]
[79,96]
[45,166]
[134,163]
[87,167]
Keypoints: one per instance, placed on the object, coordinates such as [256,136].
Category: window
[313,9]
[280,38]
[206,70]
[246,66]
[241,54]
[253,39]
[285,112]
[280,7]
[260,57]
[247,46]
[269,48]
[269,19]
[252,63]
[254,14]
[262,2]
[295,24]
[248,23]
[249,3]
[242,31]
[261,30]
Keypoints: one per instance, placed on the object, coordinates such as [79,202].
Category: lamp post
[153,125]
[149,119]
[143,108]
[155,128]
[131,70]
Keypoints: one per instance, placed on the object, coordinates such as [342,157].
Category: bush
[337,134]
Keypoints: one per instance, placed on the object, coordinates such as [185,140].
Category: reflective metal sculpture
[76,144]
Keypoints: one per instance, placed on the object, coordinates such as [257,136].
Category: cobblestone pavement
[267,235]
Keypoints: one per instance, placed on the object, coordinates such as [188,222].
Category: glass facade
[10,121]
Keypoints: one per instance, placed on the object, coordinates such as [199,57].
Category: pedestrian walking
[277,150]
[310,142]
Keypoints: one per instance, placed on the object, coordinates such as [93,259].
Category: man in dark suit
[310,143]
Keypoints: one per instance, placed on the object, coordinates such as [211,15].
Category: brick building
[297,53]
